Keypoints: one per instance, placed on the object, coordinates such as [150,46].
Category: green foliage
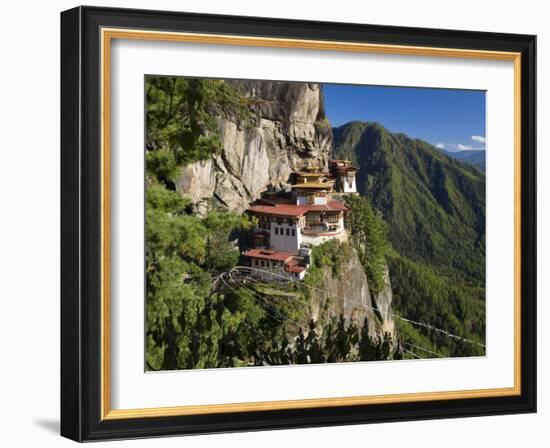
[221,254]
[346,140]
[162,165]
[424,296]
[331,254]
[161,199]
[188,326]
[369,234]
[182,127]
[337,341]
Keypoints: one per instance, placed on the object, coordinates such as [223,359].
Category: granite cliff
[286,130]
[347,292]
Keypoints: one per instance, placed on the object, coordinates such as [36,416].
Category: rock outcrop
[383,302]
[287,130]
[348,294]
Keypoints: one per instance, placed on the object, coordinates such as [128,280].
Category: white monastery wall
[285,237]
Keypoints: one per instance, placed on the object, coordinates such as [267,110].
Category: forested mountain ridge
[434,207]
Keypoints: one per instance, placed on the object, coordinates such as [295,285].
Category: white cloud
[456,147]
[479,139]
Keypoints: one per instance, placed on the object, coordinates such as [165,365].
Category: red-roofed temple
[290,224]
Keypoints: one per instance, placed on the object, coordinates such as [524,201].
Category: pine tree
[369,235]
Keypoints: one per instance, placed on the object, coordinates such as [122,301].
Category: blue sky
[451,119]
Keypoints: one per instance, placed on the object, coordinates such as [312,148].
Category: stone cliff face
[348,294]
[383,302]
[287,130]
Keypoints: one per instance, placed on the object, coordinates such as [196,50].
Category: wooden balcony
[321,228]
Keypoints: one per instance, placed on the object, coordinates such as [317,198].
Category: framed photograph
[276,224]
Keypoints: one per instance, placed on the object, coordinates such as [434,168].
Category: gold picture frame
[518,49]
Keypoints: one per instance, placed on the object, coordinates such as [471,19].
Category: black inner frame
[81,224]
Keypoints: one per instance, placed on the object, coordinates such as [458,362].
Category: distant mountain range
[473,157]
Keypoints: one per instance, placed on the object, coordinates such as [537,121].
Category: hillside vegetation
[434,207]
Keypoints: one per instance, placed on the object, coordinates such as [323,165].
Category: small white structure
[344,174]
[348,183]
[285,234]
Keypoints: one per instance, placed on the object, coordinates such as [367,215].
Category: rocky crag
[347,293]
[286,130]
